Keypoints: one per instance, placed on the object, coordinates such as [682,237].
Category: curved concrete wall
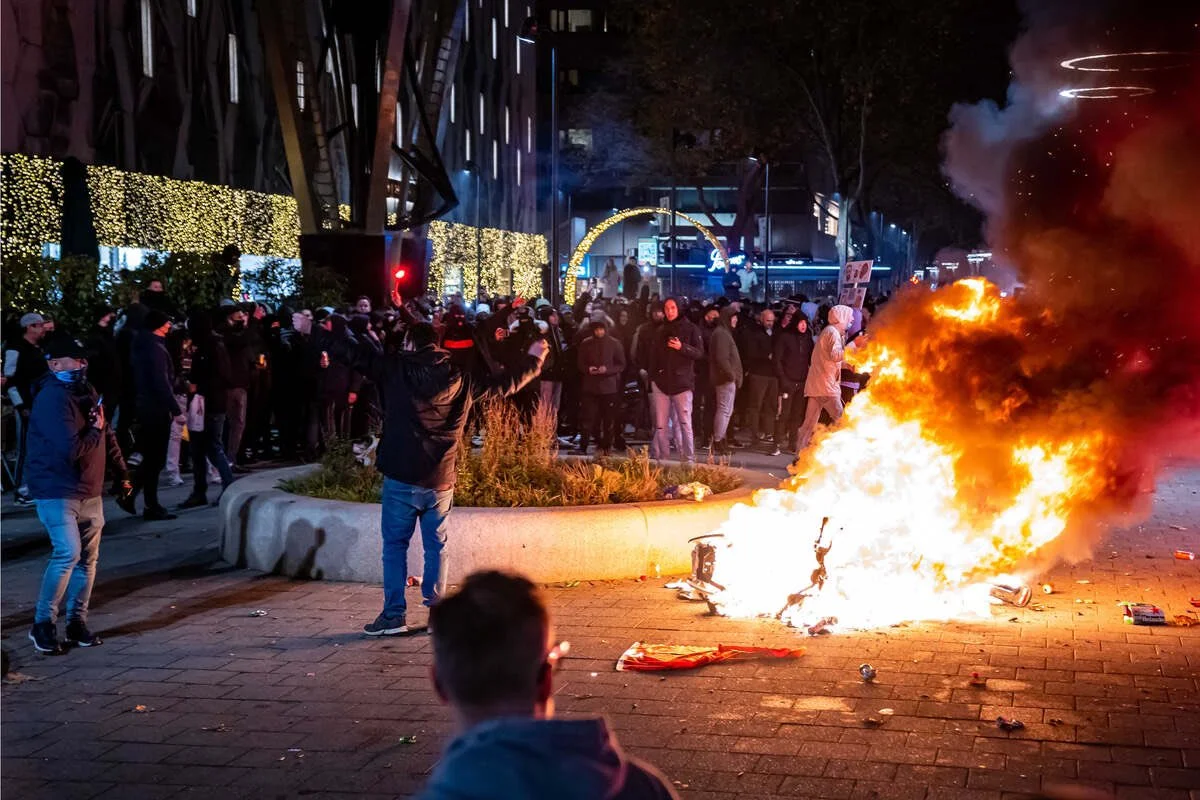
[265,528]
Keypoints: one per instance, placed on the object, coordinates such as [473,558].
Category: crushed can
[1144,614]
[868,672]
[1009,724]
[1018,596]
[1185,555]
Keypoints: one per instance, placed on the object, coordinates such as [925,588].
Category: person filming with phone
[69,445]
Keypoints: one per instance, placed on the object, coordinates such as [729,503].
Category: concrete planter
[268,529]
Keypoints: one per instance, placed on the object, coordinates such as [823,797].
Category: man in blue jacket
[69,445]
[493,663]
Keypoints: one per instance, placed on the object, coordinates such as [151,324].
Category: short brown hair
[490,639]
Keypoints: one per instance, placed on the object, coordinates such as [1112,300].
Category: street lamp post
[529,34]
[766,226]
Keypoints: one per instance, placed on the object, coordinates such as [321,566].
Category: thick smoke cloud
[1096,204]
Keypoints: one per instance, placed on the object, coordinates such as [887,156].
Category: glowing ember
[929,503]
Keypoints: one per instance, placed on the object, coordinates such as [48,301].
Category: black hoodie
[426,400]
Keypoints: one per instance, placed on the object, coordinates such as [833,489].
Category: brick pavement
[191,694]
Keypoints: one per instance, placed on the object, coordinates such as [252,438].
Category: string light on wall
[148,212]
[510,261]
[31,196]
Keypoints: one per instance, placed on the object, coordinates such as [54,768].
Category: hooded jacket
[426,400]
[724,361]
[67,455]
[674,371]
[601,351]
[793,354]
[825,372]
[518,757]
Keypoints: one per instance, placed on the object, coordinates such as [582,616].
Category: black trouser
[762,401]
[601,415]
[791,417]
[154,433]
[207,448]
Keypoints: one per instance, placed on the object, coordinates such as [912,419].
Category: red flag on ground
[643,657]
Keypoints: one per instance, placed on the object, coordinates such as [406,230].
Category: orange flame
[933,489]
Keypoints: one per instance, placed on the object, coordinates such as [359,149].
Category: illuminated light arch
[1105,92]
[1142,61]
[585,244]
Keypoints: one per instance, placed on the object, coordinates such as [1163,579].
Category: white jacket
[825,371]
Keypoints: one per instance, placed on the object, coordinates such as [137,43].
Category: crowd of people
[214,391]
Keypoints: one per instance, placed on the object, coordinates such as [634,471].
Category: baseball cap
[64,347]
[32,318]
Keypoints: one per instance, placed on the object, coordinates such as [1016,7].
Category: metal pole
[478,241]
[767,237]
[673,201]
[554,250]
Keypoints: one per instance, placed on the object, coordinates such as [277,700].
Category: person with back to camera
[493,664]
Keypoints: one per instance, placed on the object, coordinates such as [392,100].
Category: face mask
[72,376]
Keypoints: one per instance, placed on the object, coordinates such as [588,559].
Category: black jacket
[793,352]
[104,364]
[631,280]
[154,377]
[210,372]
[603,351]
[24,365]
[240,344]
[67,455]
[757,346]
[674,371]
[426,400]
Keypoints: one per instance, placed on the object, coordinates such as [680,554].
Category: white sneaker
[172,479]
[214,477]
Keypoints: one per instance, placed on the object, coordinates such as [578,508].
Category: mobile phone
[100,401]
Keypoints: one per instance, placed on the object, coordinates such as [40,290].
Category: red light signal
[400,273]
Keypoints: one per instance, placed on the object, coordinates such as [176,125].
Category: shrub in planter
[518,465]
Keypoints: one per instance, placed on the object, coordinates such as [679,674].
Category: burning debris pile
[1000,434]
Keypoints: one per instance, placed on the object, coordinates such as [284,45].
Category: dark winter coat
[793,352]
[104,364]
[757,348]
[210,371]
[67,455]
[426,401]
[606,352]
[724,361]
[154,377]
[674,371]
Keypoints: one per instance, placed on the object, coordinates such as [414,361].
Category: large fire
[999,434]
[913,532]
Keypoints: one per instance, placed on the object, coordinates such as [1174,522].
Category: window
[300,84]
[399,126]
[495,159]
[481,114]
[507,125]
[572,77]
[576,20]
[580,138]
[191,8]
[518,167]
[453,102]
[147,40]
[529,134]
[233,68]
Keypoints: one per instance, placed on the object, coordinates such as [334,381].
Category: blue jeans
[677,408]
[404,505]
[74,527]
[207,449]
